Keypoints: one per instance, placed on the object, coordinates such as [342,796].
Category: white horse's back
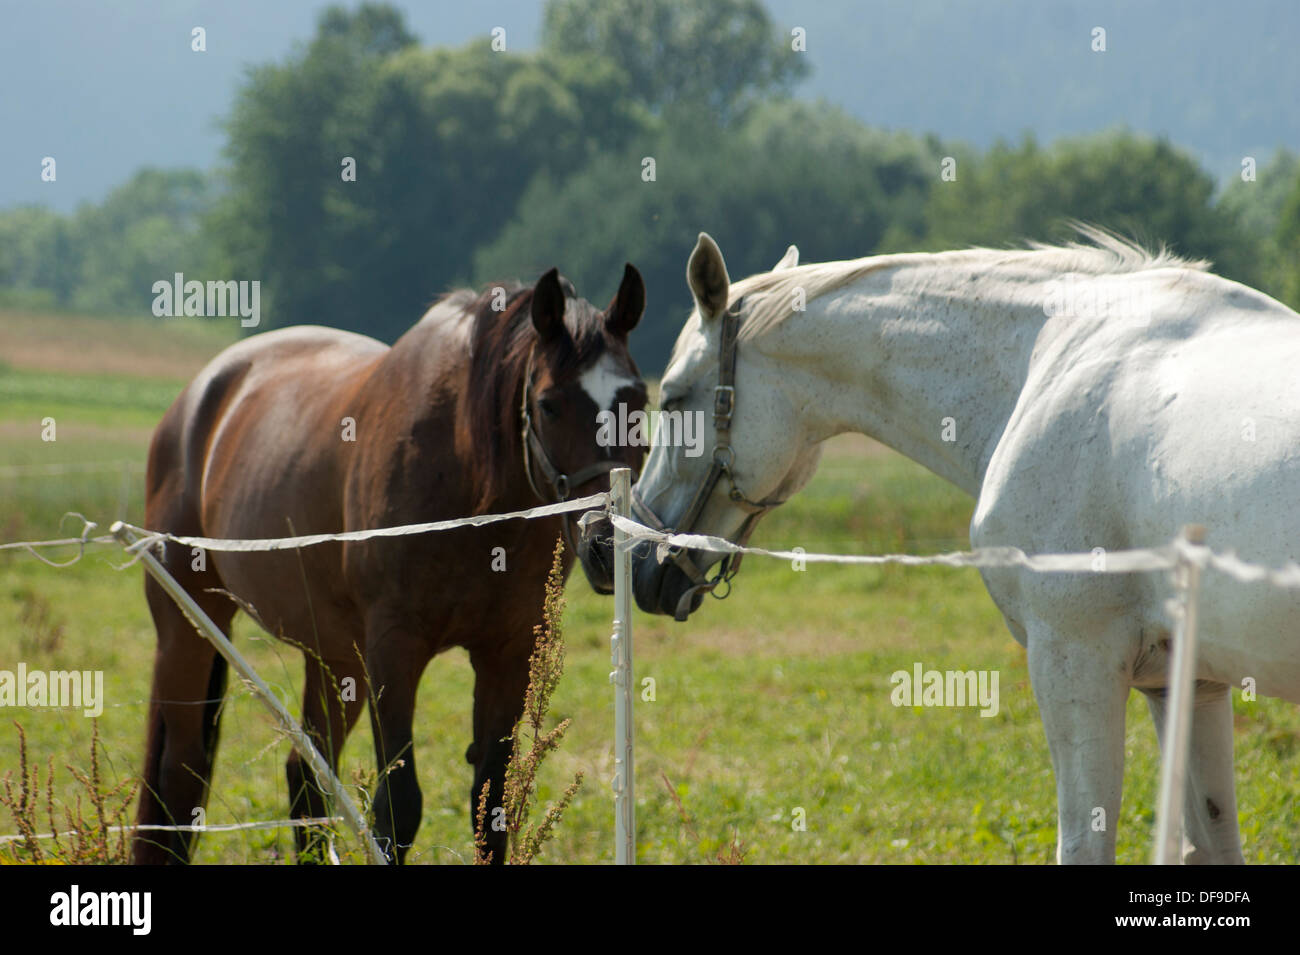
[1219,427]
[1130,426]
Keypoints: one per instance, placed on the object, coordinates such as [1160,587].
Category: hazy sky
[107,86]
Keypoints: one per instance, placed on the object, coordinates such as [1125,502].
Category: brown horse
[487,404]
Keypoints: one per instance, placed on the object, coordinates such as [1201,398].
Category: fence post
[620,483]
[297,736]
[1178,712]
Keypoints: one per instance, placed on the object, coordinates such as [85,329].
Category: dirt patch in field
[70,432]
[75,344]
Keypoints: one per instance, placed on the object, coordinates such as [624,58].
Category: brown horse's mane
[488,424]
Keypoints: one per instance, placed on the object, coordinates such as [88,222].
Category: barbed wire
[87,526]
[112,706]
[1136,560]
[150,539]
[1113,562]
[1102,561]
[207,827]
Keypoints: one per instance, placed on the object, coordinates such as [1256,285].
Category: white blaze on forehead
[603,380]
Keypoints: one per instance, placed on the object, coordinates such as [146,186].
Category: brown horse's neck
[489,421]
[459,376]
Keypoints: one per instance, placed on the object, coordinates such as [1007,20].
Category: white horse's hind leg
[1210,832]
[1081,689]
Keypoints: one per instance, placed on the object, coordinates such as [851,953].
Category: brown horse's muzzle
[596,550]
[658,585]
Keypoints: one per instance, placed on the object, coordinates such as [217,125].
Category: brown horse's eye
[548,408]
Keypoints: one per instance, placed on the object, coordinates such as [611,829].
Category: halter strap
[534,450]
[723,458]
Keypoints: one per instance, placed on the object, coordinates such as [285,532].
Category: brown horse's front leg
[394,662]
[500,681]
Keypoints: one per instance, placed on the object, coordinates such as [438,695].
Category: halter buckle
[724,402]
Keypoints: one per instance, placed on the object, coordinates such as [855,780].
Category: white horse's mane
[1098,252]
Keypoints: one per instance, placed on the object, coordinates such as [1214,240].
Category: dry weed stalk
[545,667]
[92,841]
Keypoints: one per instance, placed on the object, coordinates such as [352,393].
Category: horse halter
[534,450]
[723,459]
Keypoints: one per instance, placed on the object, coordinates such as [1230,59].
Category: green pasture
[770,706]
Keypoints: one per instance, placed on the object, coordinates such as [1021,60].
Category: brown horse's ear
[628,304]
[548,306]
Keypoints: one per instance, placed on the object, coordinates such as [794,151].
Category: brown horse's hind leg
[500,681]
[332,698]
[394,661]
[189,683]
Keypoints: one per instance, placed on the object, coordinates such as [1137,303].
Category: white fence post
[301,741]
[620,481]
[1178,713]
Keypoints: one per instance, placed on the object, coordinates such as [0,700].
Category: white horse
[1092,395]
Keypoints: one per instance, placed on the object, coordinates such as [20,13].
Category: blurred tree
[374,29]
[1258,203]
[104,259]
[36,264]
[1140,187]
[1259,206]
[719,55]
[1287,246]
[789,173]
[145,230]
[288,132]
[445,142]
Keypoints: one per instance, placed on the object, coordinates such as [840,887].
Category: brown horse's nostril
[472,754]
[597,551]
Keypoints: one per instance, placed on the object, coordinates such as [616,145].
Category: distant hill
[1221,79]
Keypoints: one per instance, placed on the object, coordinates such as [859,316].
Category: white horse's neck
[928,358]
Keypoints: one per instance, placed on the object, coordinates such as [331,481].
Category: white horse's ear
[789,260]
[706,274]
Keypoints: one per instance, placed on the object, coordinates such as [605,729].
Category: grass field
[773,701]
